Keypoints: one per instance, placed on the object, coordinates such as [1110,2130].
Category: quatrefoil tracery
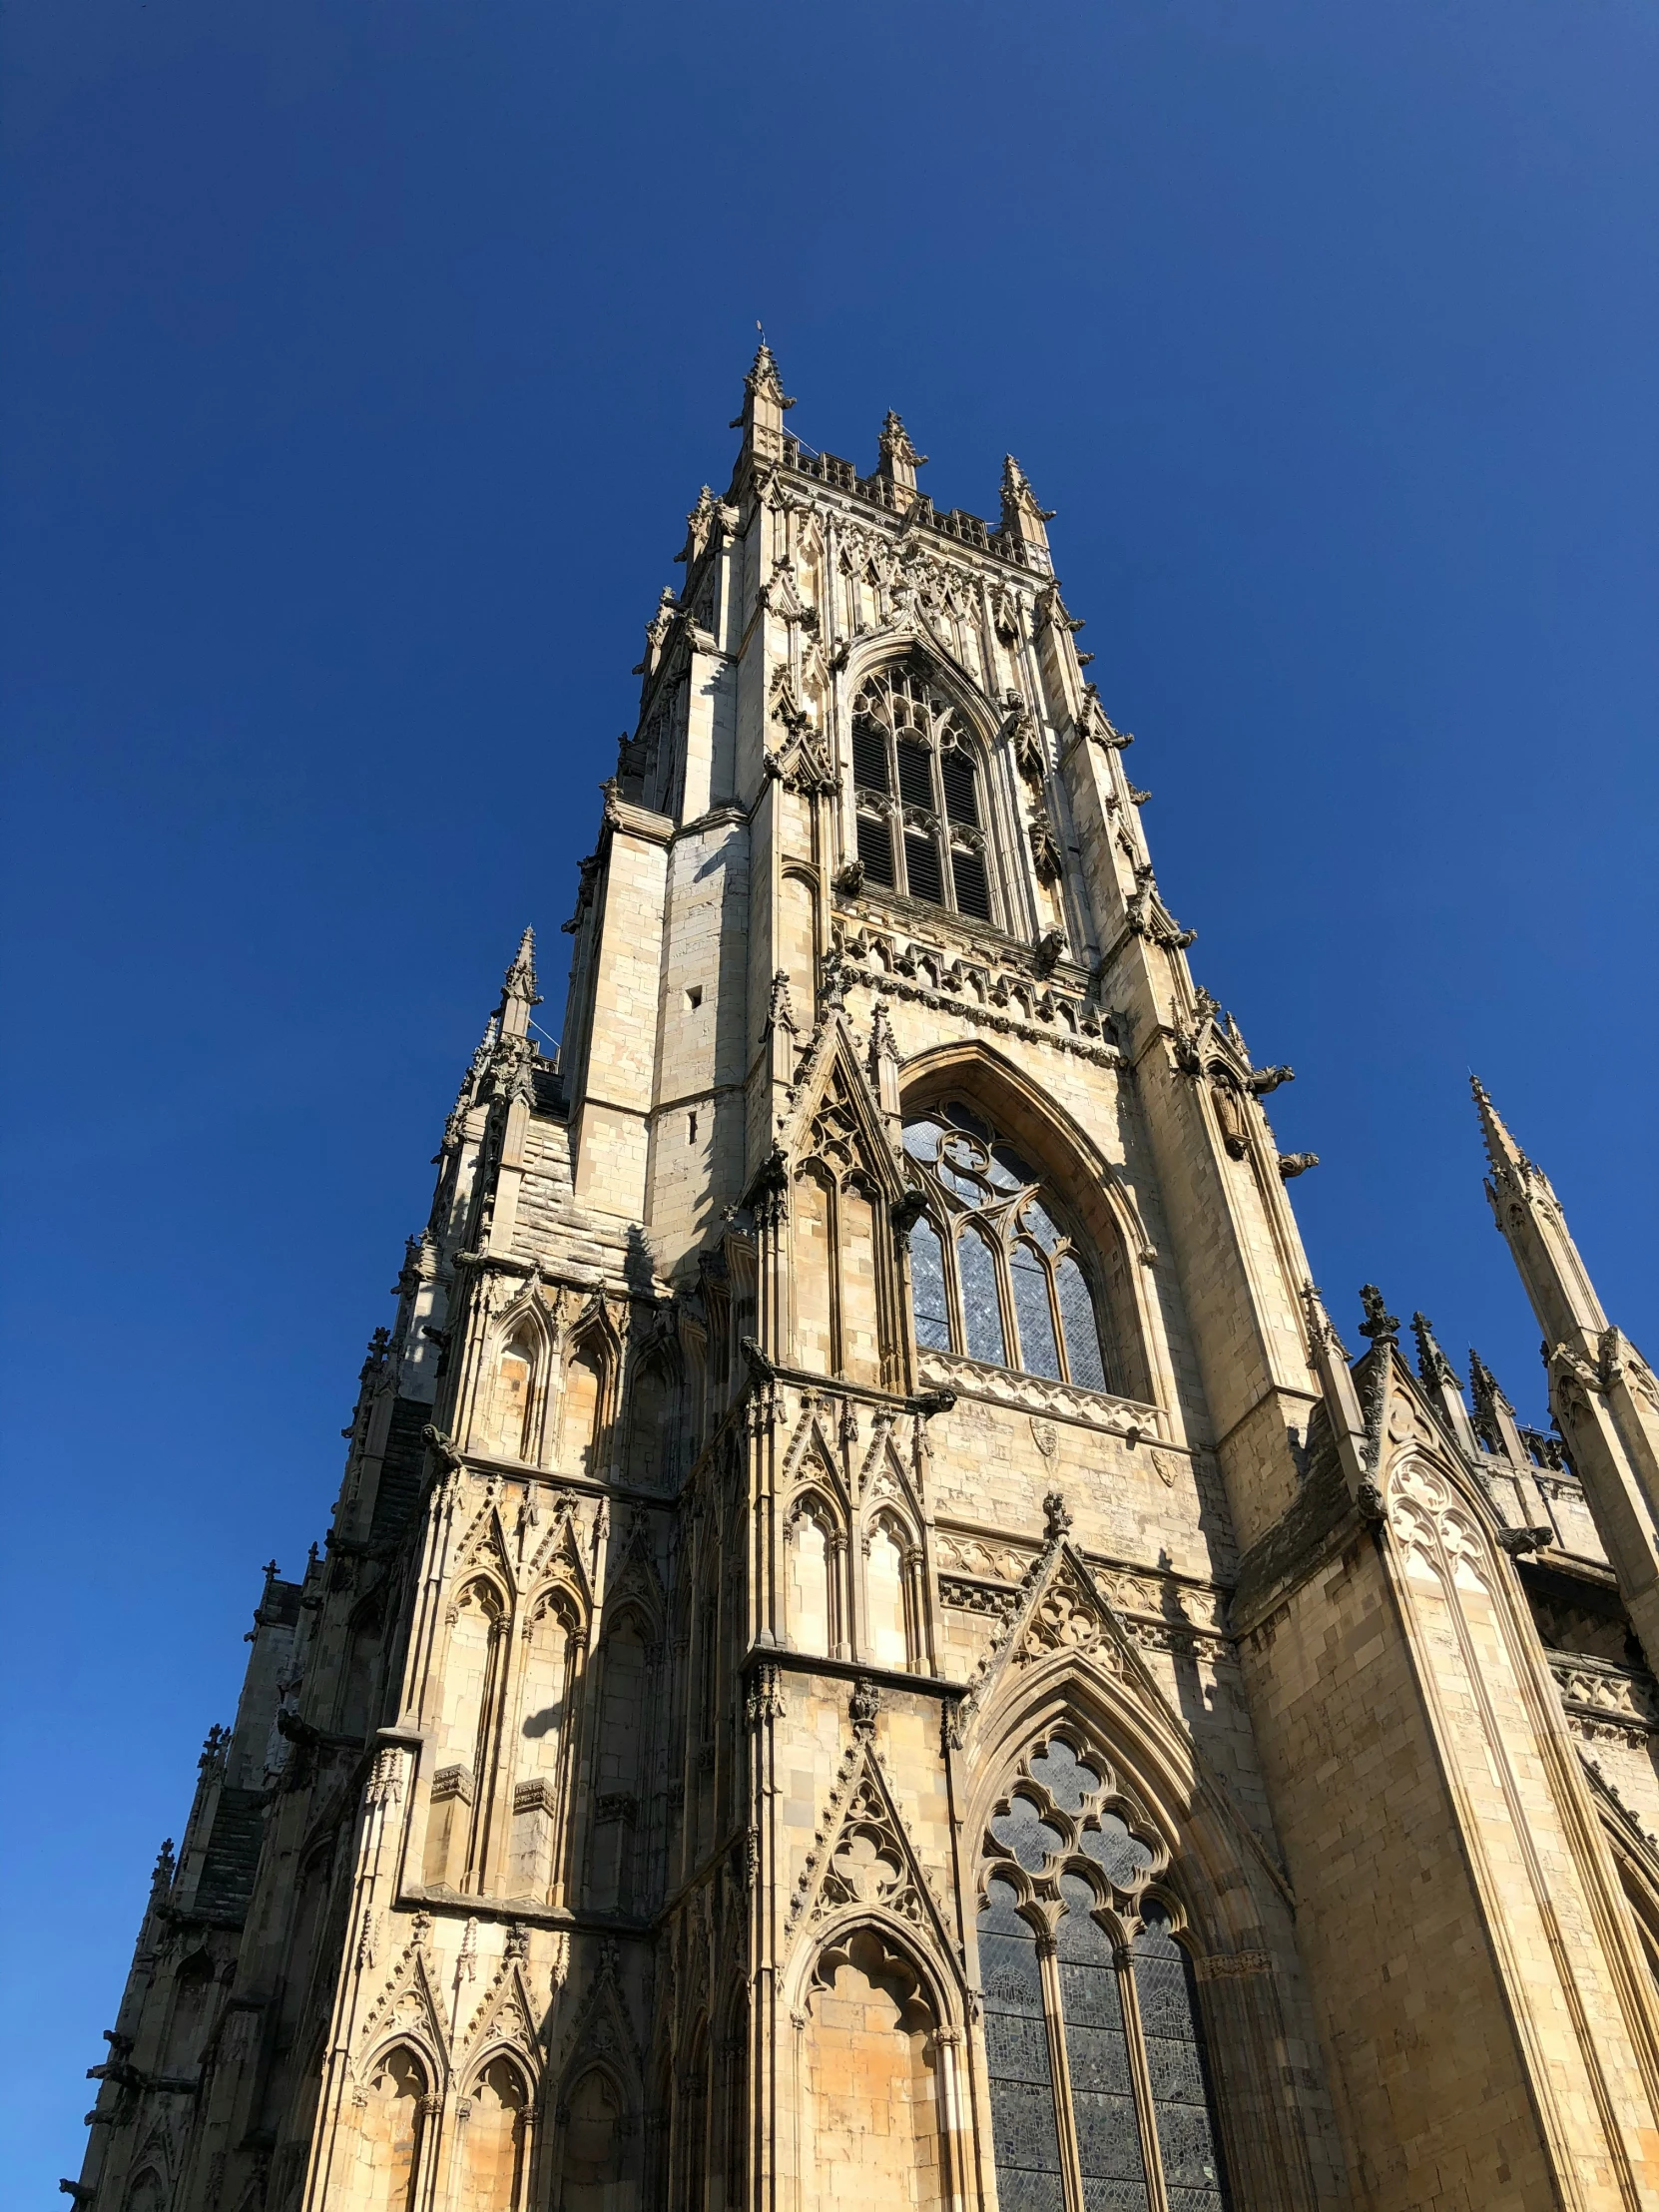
[1063,1816]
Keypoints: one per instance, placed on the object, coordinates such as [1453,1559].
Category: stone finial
[1056,1518]
[518,989]
[1484,1387]
[1434,1367]
[900,459]
[1382,1327]
[863,1707]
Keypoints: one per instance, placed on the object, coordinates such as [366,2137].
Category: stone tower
[873,1648]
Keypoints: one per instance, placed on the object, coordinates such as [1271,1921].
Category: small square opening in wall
[694,999]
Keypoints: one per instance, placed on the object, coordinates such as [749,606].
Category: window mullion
[1005,1297]
[895,814]
[952,1282]
[1140,2074]
[1061,1350]
[941,815]
[1071,2166]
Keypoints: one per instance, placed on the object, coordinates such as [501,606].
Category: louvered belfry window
[919,807]
[995,1273]
[1090,2010]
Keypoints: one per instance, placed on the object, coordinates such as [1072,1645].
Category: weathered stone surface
[874,1651]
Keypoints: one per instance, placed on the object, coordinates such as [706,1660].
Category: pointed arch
[1089,1183]
[656,1397]
[892,1628]
[514,1416]
[876,2067]
[492,2156]
[1142,1827]
[596,2157]
[391,2129]
[925,811]
[589,1379]
[816,1546]
[624,1719]
[460,1809]
[550,1697]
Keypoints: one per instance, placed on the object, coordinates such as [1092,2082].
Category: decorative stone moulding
[991,993]
[1601,1698]
[1158,1614]
[1032,1394]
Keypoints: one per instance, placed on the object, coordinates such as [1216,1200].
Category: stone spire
[1529,1216]
[518,989]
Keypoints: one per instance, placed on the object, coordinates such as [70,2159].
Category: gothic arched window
[916,785]
[1090,2005]
[995,1274]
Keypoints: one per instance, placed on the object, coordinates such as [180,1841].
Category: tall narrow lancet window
[1100,2087]
[917,794]
[996,1272]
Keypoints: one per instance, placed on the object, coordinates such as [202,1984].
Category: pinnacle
[520,978]
[1501,1149]
[1483,1383]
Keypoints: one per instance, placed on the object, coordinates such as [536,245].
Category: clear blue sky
[363,361]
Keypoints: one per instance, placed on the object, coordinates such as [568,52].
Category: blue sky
[363,362]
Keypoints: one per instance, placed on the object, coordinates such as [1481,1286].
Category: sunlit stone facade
[873,1648]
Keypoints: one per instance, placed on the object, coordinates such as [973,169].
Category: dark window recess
[922,862]
[1023,2129]
[870,756]
[1102,2091]
[1176,2066]
[402,1470]
[973,892]
[961,801]
[875,849]
[915,774]
[232,1858]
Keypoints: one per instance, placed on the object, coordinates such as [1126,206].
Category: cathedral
[877,1648]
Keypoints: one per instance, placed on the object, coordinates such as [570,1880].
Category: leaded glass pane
[1175,2063]
[922,1139]
[1038,1223]
[958,1165]
[1039,1354]
[1064,1776]
[981,1308]
[1077,1319]
[964,1116]
[927,1287]
[1008,1170]
[1023,2130]
[1027,1836]
[1097,2051]
[1124,1859]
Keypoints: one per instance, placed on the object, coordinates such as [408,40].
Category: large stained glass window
[995,1273]
[1082,1970]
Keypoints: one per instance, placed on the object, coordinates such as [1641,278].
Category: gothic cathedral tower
[873,1648]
